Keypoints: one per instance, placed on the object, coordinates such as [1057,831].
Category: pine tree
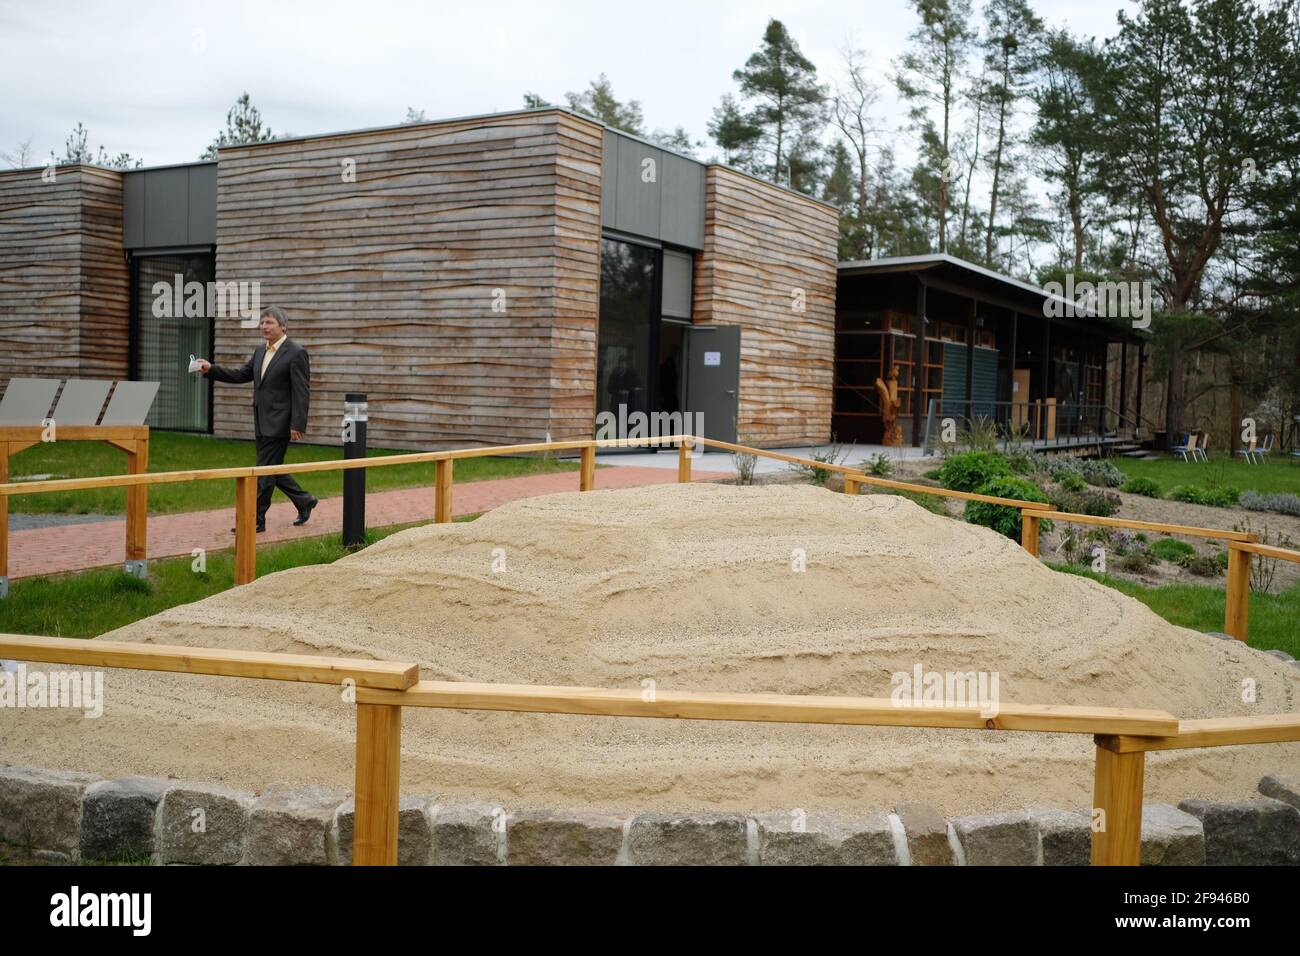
[789,102]
[243,125]
[928,75]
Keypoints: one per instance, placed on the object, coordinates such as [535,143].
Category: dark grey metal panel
[203,205]
[133,210]
[677,280]
[609,180]
[170,207]
[166,206]
[681,216]
[637,191]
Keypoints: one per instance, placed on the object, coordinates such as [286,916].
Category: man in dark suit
[281,380]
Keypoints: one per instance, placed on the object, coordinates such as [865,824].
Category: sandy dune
[691,586]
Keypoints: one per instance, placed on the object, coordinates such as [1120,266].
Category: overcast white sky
[155,79]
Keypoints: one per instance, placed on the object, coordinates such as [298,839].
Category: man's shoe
[261,526]
[304,514]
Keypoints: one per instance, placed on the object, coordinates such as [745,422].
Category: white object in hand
[194,365]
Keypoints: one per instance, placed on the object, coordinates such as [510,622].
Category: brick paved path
[80,546]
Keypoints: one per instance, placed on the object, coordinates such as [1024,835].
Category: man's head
[273,323]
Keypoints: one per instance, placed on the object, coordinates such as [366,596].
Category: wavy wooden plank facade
[63,275]
[453,278]
[761,244]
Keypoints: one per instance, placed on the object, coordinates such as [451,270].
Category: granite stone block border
[59,816]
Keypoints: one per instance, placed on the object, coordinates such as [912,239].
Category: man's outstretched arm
[234,376]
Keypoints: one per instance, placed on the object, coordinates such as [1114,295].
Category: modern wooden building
[991,347]
[493,279]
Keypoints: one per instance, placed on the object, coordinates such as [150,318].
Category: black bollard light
[354,480]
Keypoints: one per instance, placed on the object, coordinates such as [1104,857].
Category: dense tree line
[1166,153]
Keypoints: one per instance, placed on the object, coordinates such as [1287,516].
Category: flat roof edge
[388,127]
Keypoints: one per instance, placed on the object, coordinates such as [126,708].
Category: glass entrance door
[161,346]
[626,346]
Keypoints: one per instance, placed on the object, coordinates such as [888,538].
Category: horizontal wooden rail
[1121,736]
[1214,732]
[1189,530]
[389,675]
[19,489]
[776,708]
[1266,550]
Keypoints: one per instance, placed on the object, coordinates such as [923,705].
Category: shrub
[1002,519]
[1137,562]
[1020,461]
[1100,503]
[1141,486]
[1217,498]
[1226,497]
[1073,483]
[1187,494]
[879,464]
[1057,466]
[1099,471]
[971,469]
[745,463]
[1171,549]
[1202,565]
[1281,502]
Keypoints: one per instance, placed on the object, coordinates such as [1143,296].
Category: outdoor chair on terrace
[1188,447]
[1249,452]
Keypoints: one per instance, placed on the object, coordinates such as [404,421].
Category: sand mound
[691,586]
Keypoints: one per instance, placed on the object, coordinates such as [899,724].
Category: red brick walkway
[102,543]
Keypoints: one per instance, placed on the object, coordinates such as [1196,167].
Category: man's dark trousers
[270,451]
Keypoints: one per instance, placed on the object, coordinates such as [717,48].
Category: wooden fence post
[442,490]
[684,462]
[587,480]
[137,503]
[245,530]
[1029,530]
[1236,608]
[850,486]
[1117,794]
[378,784]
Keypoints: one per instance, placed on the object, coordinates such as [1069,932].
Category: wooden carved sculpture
[893,435]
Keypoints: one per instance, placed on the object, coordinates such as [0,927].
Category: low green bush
[1103,504]
[1002,519]
[1141,486]
[1137,562]
[1225,497]
[967,470]
[1074,483]
[1101,472]
[1171,549]
[878,464]
[1202,565]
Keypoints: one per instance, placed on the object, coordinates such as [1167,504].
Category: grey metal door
[713,380]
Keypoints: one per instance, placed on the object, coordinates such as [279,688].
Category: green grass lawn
[89,603]
[176,451]
[1274,620]
[1280,474]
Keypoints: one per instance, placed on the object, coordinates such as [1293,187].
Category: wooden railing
[1242,545]
[1121,736]
[245,480]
